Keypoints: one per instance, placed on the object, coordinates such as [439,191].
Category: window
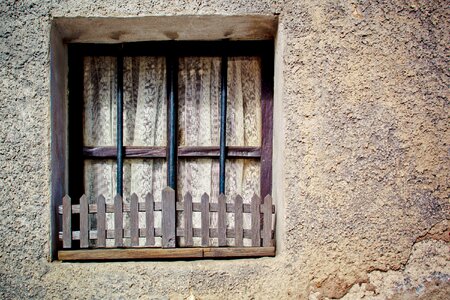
[194,116]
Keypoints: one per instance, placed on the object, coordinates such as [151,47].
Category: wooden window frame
[76,154]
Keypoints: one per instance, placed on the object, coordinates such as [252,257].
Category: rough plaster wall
[365,103]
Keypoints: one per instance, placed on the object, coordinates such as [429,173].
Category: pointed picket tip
[134,196]
[238,197]
[188,196]
[168,189]
[83,197]
[205,196]
[149,196]
[255,196]
[267,197]
[101,197]
[117,196]
[66,197]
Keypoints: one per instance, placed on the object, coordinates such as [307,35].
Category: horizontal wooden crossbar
[196,207]
[183,151]
[155,253]
[197,232]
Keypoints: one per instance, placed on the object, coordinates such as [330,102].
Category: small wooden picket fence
[261,214]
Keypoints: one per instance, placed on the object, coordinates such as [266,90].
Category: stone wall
[361,157]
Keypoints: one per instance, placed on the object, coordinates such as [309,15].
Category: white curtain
[99,121]
[144,122]
[199,125]
[144,125]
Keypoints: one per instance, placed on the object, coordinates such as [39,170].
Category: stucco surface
[362,175]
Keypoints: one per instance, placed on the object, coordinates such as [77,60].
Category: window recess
[170,151]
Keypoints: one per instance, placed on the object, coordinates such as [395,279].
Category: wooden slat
[183,151]
[168,218]
[118,221]
[238,222]
[136,253]
[149,253]
[267,125]
[188,220]
[214,151]
[101,222]
[205,220]
[256,221]
[134,220]
[197,232]
[130,152]
[221,221]
[67,222]
[267,225]
[58,121]
[239,252]
[149,221]
[84,223]
[196,207]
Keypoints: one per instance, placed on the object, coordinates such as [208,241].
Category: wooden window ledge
[158,253]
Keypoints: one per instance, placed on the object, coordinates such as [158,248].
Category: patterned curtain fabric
[99,121]
[145,124]
[199,123]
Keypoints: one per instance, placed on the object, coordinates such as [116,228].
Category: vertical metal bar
[172,76]
[223,123]
[120,124]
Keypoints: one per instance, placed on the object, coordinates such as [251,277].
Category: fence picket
[256,222]
[205,220]
[84,222]
[238,221]
[67,222]
[134,220]
[260,234]
[188,220]
[267,225]
[101,222]
[168,218]
[149,221]
[118,221]
[221,221]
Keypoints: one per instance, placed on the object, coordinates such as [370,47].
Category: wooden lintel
[152,253]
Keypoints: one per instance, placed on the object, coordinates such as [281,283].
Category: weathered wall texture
[362,121]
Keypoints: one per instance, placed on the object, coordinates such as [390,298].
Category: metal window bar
[223,122]
[172,75]
[120,124]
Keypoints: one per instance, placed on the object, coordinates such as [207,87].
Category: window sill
[157,253]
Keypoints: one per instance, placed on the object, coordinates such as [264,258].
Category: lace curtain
[145,124]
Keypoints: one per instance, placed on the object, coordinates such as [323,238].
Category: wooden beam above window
[164,28]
